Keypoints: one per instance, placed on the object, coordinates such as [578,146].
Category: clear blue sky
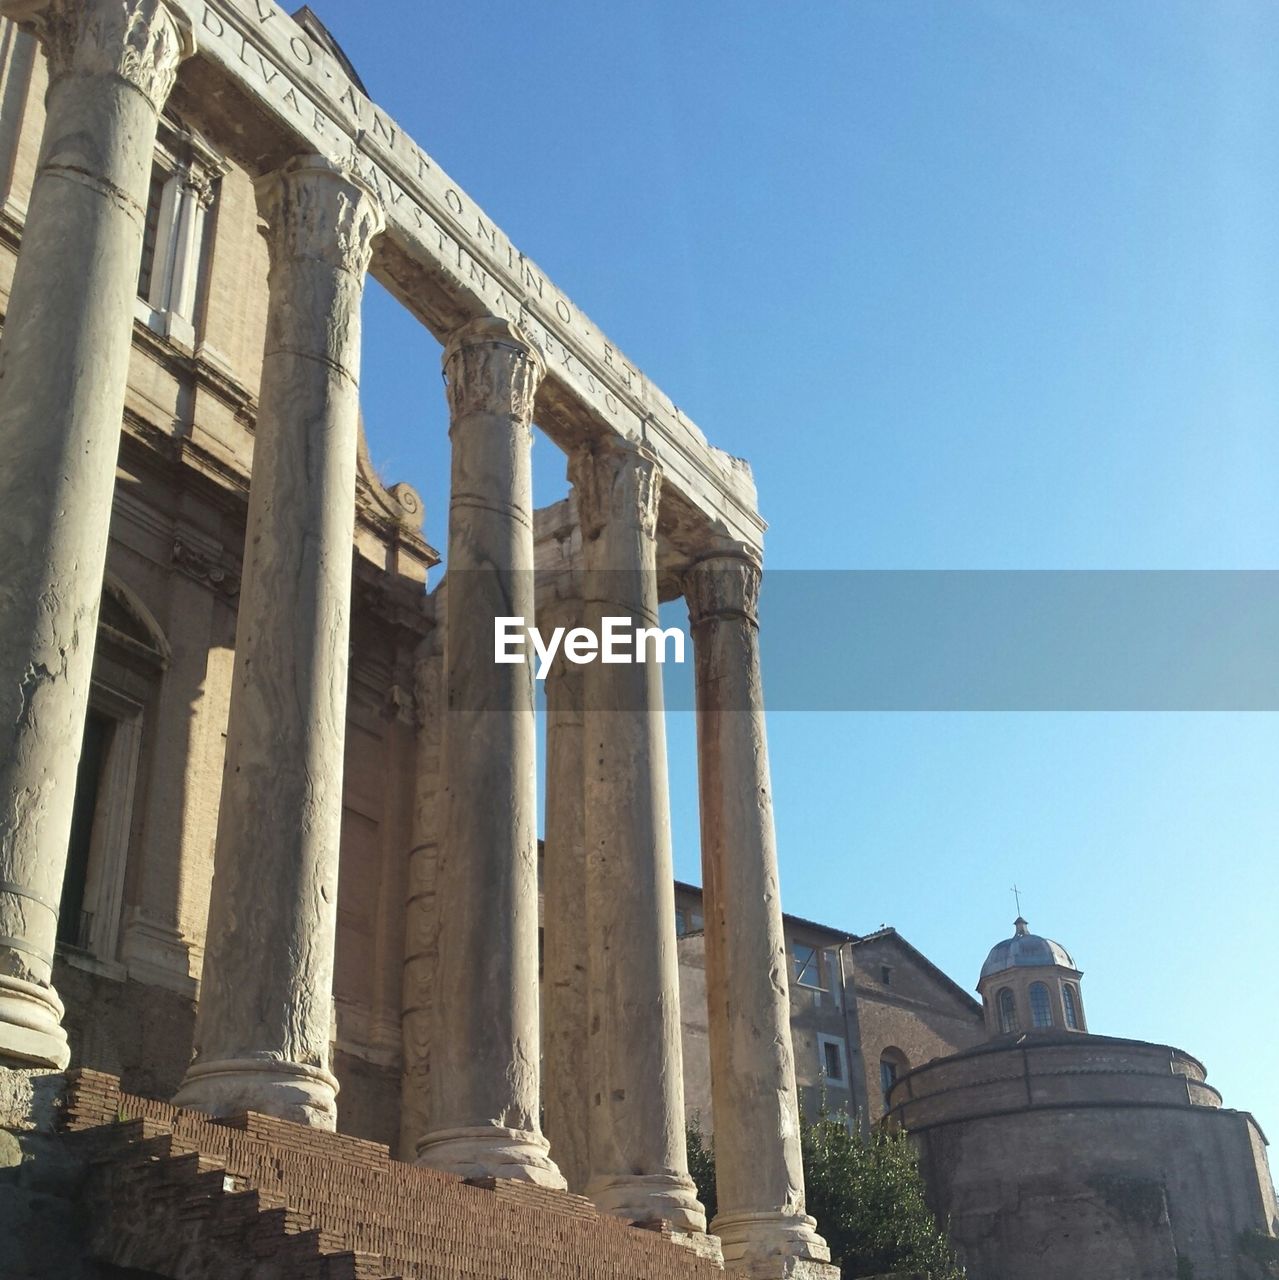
[982,285]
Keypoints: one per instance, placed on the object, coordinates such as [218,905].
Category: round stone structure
[1061,1154]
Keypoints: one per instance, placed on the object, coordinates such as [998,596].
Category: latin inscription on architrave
[433,220]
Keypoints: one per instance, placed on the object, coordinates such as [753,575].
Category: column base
[490,1151]
[774,1246]
[701,1243]
[287,1090]
[644,1198]
[31,1032]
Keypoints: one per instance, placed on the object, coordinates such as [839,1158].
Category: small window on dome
[1041,1010]
[1071,1005]
[1008,1021]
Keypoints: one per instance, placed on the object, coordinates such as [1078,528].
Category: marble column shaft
[64,363]
[485,1073]
[263,1023]
[639,1162]
[566,1087]
[759,1176]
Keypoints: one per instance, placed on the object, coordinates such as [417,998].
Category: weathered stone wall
[1087,1156]
[1110,1193]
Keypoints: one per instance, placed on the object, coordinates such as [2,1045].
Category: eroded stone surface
[63,366]
[758,1167]
[639,1163]
[565,1085]
[484,1072]
[263,1024]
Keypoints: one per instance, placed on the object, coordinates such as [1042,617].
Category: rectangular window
[833,1061]
[151,232]
[687,921]
[180,200]
[102,811]
[807,972]
[73,927]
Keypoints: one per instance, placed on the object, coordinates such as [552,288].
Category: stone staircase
[175,1194]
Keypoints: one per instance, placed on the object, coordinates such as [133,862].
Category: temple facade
[267,802]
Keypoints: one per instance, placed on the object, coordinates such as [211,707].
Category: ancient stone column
[63,367]
[484,1078]
[263,1023]
[759,1178]
[639,1162]
[565,1086]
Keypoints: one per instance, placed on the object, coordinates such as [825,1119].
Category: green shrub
[867,1195]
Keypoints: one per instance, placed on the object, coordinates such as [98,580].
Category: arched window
[893,1064]
[1041,1010]
[1071,1005]
[1007,1012]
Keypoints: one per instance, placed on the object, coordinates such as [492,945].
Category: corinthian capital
[723,585]
[616,480]
[316,208]
[491,367]
[141,41]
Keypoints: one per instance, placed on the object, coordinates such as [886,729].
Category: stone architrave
[761,1222]
[564,963]
[263,1024]
[484,1077]
[639,1161]
[63,366]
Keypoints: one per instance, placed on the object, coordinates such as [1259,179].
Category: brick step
[251,1192]
[161,1212]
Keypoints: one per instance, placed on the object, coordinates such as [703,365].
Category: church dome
[1025,950]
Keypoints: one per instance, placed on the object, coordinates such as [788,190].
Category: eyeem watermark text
[617,642]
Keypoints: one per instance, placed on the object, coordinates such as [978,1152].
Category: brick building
[865,1010]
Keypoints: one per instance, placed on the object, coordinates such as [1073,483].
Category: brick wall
[177,1194]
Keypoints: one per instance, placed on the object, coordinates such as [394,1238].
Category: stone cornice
[446,260]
